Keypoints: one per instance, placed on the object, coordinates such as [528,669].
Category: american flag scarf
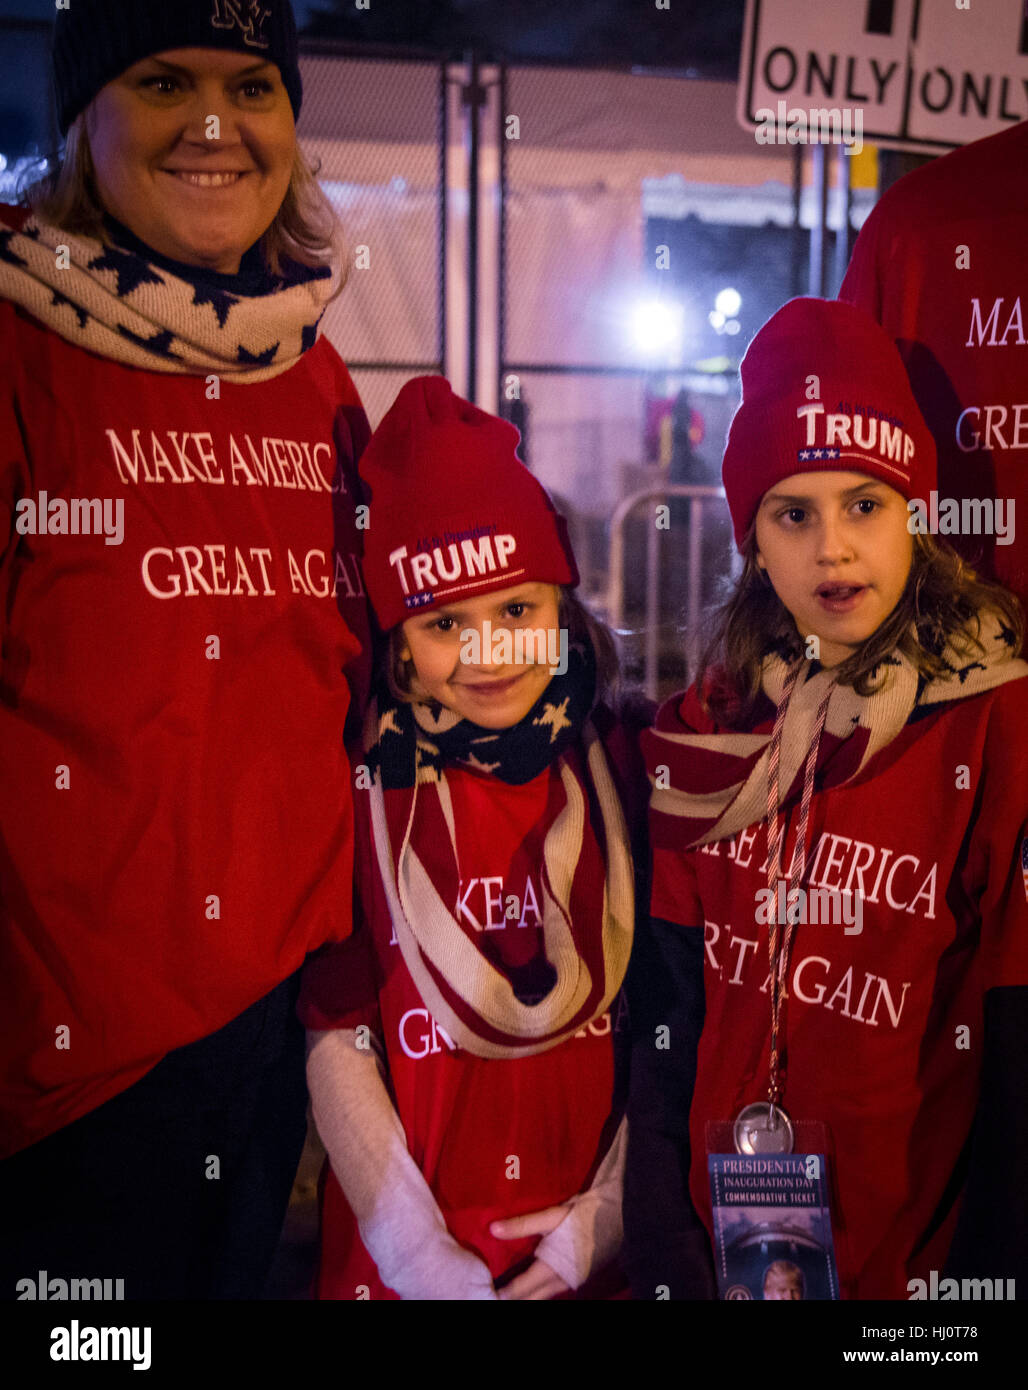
[114,302]
[708,784]
[586,877]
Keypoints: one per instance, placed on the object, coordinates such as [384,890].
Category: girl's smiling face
[197,199]
[496,696]
[837,549]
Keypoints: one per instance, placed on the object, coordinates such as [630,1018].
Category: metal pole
[652,633]
[816,279]
[444,138]
[842,236]
[796,235]
[692,615]
[501,296]
[473,95]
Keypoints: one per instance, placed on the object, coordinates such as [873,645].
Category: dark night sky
[695,35]
[703,36]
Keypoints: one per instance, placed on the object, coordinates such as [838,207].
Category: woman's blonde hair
[582,627]
[942,599]
[305,228]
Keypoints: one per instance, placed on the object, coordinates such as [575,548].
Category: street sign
[925,75]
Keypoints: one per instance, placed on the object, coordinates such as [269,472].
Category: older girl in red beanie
[851,744]
[462,1045]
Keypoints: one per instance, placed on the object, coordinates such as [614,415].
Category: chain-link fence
[376,129]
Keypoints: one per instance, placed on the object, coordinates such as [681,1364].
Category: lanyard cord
[779,960]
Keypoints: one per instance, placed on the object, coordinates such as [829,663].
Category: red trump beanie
[823,388]
[453,511]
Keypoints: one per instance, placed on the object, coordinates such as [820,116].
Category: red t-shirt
[874,1020]
[961,332]
[466,1117]
[176,815]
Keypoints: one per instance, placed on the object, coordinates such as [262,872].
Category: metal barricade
[697,497]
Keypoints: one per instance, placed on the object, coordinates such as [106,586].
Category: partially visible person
[467,1044]
[181,600]
[940,264]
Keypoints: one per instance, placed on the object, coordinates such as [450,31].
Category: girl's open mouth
[840,598]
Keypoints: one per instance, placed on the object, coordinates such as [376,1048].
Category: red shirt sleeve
[996,872]
[14,469]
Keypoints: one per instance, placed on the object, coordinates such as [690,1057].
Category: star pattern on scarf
[6,254]
[221,301]
[131,270]
[472,761]
[387,724]
[159,344]
[257,359]
[59,299]
[427,763]
[555,716]
[435,717]
[308,336]
[962,672]
[1006,635]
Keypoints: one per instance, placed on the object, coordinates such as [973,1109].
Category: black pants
[180,1184]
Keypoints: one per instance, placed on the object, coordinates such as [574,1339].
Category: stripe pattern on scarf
[709,786]
[115,303]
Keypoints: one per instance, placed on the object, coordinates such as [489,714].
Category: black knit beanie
[96,40]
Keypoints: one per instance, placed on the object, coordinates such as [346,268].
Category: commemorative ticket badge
[772,1226]
[769,1183]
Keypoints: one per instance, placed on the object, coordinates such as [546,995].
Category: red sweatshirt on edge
[940,264]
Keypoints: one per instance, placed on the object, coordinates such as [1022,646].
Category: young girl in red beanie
[462,1051]
[857,733]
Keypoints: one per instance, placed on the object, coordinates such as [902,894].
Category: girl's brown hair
[940,605]
[581,625]
[305,228]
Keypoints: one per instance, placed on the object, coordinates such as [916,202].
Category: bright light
[657,326]
[728,303]
[717,319]
[732,326]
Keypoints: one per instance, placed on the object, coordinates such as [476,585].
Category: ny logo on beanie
[248,15]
